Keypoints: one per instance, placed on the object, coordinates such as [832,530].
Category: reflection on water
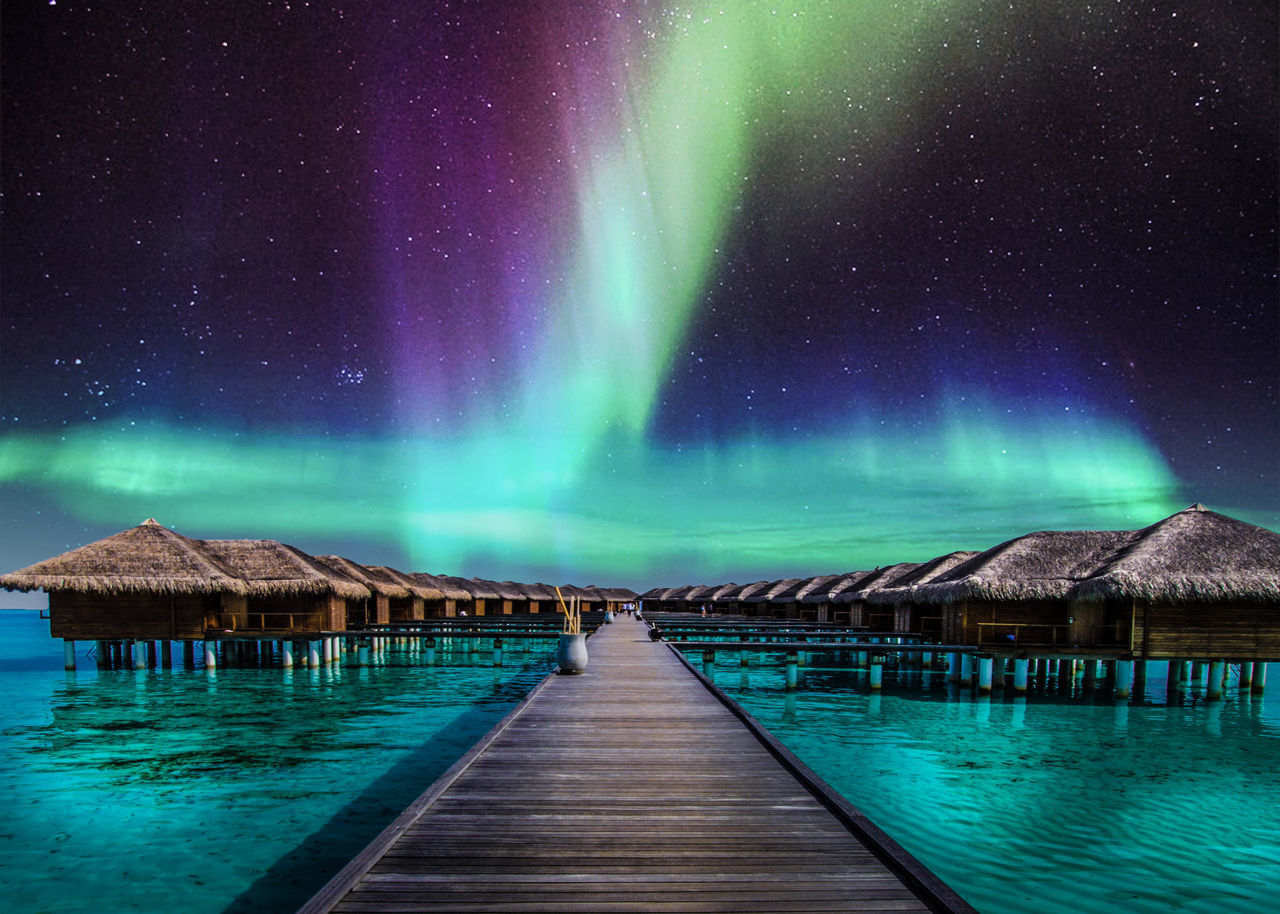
[241,790]
[1054,802]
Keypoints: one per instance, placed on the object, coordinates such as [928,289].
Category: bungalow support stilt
[1020,675]
[793,672]
[1259,678]
[313,654]
[953,667]
[139,654]
[877,673]
[985,667]
[1124,678]
[68,655]
[286,654]
[210,655]
[966,669]
[1216,668]
[1246,675]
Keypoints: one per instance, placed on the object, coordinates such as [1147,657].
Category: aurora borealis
[635,292]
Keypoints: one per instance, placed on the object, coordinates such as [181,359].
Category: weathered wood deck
[631,787]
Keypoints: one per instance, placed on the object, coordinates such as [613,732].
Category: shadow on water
[303,871]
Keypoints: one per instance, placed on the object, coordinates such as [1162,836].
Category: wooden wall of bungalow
[1043,624]
[1235,630]
[83,616]
[286,613]
[920,619]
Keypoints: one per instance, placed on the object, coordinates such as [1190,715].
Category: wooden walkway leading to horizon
[631,787]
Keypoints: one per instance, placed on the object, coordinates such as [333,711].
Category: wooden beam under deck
[631,787]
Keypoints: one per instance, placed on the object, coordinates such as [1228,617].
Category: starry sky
[635,293]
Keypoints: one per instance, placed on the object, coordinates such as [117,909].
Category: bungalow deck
[633,787]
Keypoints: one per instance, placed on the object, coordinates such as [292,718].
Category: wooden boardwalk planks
[631,787]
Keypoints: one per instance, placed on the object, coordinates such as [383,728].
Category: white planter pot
[572,653]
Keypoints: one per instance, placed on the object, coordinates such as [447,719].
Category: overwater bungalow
[741,600]
[540,598]
[822,593]
[761,600]
[1197,585]
[414,607]
[512,598]
[482,595]
[667,599]
[589,598]
[147,582]
[377,609]
[890,607]
[852,601]
[617,597]
[784,599]
[453,599]
[288,591]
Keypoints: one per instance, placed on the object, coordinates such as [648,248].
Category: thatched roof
[750,590]
[147,558]
[881,577]
[475,588]
[827,592]
[539,591]
[1195,555]
[272,569]
[374,580]
[809,585]
[509,590]
[618,594]
[676,593]
[789,591]
[445,586]
[418,587]
[701,593]
[761,594]
[1046,565]
[902,587]
[653,593]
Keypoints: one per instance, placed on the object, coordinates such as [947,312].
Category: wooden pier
[632,787]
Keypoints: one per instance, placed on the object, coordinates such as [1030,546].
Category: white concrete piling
[985,668]
[1020,675]
[1124,678]
[1214,687]
[68,654]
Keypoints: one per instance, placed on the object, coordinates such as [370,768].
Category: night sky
[635,293]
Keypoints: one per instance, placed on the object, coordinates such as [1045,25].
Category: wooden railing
[1012,634]
[277,621]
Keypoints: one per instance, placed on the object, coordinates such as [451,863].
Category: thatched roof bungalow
[383,590]
[1019,594]
[890,607]
[820,594]
[421,595]
[853,598]
[145,582]
[288,591]
[1196,585]
[452,597]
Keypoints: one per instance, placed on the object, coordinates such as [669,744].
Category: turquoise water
[1050,803]
[240,791]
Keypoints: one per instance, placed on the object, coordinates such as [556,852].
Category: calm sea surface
[246,790]
[1050,803]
